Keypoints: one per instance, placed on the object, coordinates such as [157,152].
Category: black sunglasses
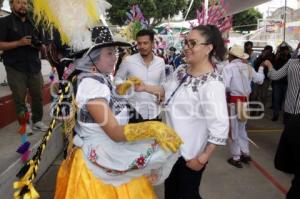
[191,43]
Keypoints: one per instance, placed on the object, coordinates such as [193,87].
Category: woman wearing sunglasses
[195,104]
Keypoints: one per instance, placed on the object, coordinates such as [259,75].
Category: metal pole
[284,20]
[206,11]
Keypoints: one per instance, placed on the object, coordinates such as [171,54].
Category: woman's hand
[268,64]
[156,90]
[194,164]
[152,177]
[198,162]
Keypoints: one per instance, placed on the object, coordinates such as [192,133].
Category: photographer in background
[20,41]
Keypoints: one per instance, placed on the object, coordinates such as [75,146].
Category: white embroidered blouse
[197,111]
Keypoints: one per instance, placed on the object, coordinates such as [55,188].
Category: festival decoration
[72,18]
[52,74]
[216,15]
[135,22]
[24,148]
[295,29]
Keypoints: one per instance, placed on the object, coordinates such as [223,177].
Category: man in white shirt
[237,77]
[148,68]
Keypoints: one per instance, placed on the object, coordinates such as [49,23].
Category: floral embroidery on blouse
[195,82]
[138,163]
[142,161]
[218,140]
[92,155]
[181,73]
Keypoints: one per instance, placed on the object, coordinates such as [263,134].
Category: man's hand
[25,41]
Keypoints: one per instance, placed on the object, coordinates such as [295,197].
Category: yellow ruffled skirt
[76,181]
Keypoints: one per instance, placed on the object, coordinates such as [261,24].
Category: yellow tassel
[17,195]
[32,194]
[25,181]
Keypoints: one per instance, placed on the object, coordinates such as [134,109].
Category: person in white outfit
[237,77]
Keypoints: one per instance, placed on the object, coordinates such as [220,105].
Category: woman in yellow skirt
[112,158]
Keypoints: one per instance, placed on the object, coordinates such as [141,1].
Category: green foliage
[156,10]
[246,20]
[192,14]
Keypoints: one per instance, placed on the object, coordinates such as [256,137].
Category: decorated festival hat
[101,37]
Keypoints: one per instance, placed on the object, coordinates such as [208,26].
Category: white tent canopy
[236,6]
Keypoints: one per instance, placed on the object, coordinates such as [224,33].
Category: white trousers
[240,142]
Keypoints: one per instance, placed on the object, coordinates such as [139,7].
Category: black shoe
[245,159]
[235,163]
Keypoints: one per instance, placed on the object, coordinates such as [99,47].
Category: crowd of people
[219,95]
[151,116]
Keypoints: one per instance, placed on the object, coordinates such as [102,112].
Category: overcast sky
[271,6]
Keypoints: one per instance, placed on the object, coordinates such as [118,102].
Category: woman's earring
[94,69]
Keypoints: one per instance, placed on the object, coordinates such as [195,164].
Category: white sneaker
[40,126]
